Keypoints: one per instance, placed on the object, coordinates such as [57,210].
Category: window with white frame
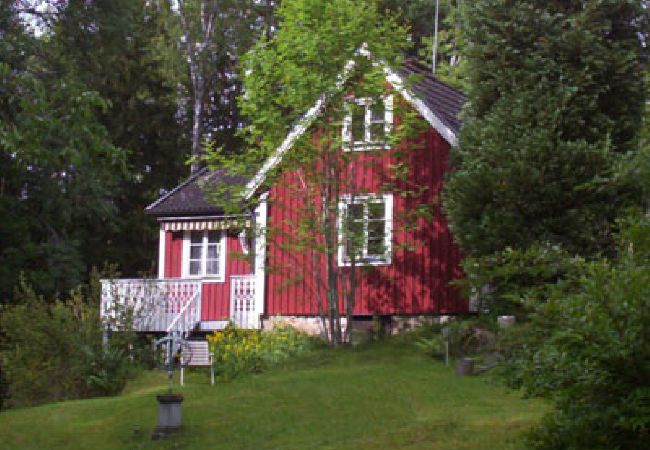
[365,229]
[368,123]
[204,254]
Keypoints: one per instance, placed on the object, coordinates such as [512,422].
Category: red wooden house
[211,272]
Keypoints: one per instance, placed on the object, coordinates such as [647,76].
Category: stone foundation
[390,324]
[307,324]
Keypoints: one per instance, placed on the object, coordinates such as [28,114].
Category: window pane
[376,248]
[377,132]
[376,211]
[213,251]
[377,112]
[213,237]
[376,229]
[212,267]
[358,126]
[195,251]
[195,267]
[196,237]
[355,212]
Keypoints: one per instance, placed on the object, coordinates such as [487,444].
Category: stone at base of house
[307,324]
[398,324]
[390,324]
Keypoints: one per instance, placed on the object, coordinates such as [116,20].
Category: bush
[594,362]
[238,351]
[469,337]
[53,350]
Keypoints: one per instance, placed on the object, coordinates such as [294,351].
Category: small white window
[365,229]
[204,255]
[368,123]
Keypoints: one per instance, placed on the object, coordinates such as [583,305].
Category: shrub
[238,351]
[465,337]
[52,350]
[594,362]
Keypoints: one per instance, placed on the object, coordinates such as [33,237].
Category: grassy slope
[381,397]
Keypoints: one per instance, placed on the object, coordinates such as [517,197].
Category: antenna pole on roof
[435,40]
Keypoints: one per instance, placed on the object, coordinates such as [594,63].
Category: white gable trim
[303,124]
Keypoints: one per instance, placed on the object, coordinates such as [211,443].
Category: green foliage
[238,351]
[120,49]
[555,100]
[464,337]
[593,358]
[52,350]
[515,282]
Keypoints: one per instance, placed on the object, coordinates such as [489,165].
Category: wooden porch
[174,305]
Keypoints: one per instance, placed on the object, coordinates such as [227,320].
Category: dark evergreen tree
[555,103]
[114,48]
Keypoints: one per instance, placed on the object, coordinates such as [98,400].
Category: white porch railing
[157,305]
[243,312]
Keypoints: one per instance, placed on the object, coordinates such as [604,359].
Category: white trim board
[396,80]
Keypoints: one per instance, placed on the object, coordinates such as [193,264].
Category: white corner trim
[162,237]
[259,269]
[398,82]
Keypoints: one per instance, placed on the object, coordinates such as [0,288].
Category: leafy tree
[305,62]
[555,100]
[60,171]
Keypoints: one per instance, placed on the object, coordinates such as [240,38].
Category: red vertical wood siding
[215,301]
[173,253]
[424,260]
[215,298]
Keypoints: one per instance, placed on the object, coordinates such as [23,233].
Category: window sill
[386,262]
[207,279]
[365,147]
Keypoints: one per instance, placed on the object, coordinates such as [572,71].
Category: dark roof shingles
[188,198]
[443,100]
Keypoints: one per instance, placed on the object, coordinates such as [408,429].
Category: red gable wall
[424,261]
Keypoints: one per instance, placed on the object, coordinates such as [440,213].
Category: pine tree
[555,103]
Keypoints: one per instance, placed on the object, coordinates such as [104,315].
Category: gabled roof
[188,198]
[437,102]
[442,99]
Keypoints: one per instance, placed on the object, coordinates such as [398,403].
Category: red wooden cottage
[210,271]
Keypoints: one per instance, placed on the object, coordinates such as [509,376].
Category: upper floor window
[367,123]
[204,254]
[365,229]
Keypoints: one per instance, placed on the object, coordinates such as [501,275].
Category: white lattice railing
[156,305]
[243,312]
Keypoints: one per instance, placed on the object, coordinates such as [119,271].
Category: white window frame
[344,202]
[185,263]
[367,144]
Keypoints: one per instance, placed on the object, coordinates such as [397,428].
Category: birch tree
[214,35]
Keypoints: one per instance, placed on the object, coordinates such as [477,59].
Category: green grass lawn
[385,396]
